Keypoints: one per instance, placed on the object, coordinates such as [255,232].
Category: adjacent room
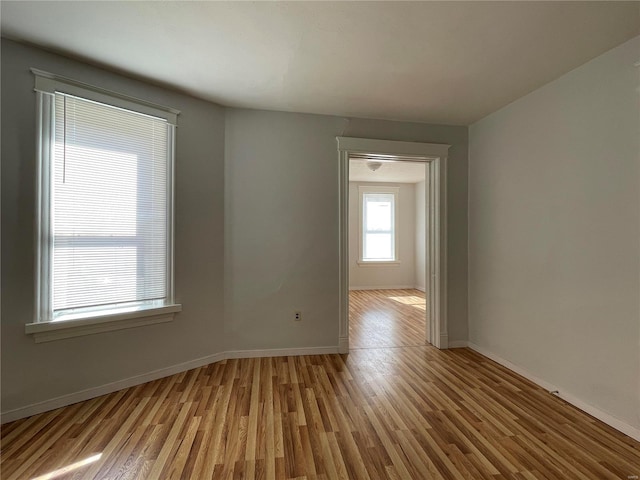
[387,253]
[320,240]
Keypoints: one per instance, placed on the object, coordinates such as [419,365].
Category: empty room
[320,240]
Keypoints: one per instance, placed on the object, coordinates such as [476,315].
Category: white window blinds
[110,206]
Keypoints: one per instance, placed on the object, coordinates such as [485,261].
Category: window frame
[370,189]
[45,327]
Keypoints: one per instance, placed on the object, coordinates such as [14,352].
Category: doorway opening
[387,253]
[373,242]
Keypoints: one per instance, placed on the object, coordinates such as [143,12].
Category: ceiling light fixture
[373,166]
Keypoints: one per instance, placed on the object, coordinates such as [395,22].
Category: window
[378,215]
[105,242]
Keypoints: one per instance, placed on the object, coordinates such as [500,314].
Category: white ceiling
[389,172]
[439,62]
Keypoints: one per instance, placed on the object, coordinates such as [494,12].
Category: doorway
[387,253]
[433,158]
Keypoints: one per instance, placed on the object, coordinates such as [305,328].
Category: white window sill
[383,263]
[59,329]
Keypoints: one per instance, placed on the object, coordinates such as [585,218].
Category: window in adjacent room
[105,185]
[378,222]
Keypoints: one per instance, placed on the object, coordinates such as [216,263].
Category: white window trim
[46,85]
[362,189]
[50,83]
[58,330]
[378,263]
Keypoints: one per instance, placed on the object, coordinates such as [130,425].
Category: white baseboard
[281,352]
[444,341]
[343,345]
[421,288]
[567,397]
[385,287]
[89,393]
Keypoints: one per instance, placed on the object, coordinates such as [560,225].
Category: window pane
[378,246]
[378,225]
[85,200]
[92,268]
[109,205]
[378,212]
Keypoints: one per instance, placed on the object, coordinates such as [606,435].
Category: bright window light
[105,224]
[378,226]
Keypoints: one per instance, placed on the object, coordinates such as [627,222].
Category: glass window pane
[378,216]
[378,226]
[110,202]
[378,246]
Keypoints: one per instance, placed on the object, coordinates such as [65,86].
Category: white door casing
[435,157]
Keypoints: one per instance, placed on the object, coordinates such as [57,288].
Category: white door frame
[435,156]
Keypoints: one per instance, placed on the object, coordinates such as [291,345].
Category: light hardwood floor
[387,318]
[386,413]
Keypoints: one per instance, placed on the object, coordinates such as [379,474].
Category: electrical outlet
[297,316]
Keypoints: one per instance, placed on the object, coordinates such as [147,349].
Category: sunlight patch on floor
[69,468]
[409,300]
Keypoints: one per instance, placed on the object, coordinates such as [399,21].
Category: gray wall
[281,223]
[36,372]
[554,233]
[256,234]
[384,276]
[281,209]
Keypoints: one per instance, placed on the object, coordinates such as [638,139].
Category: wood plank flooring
[382,413]
[387,318]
